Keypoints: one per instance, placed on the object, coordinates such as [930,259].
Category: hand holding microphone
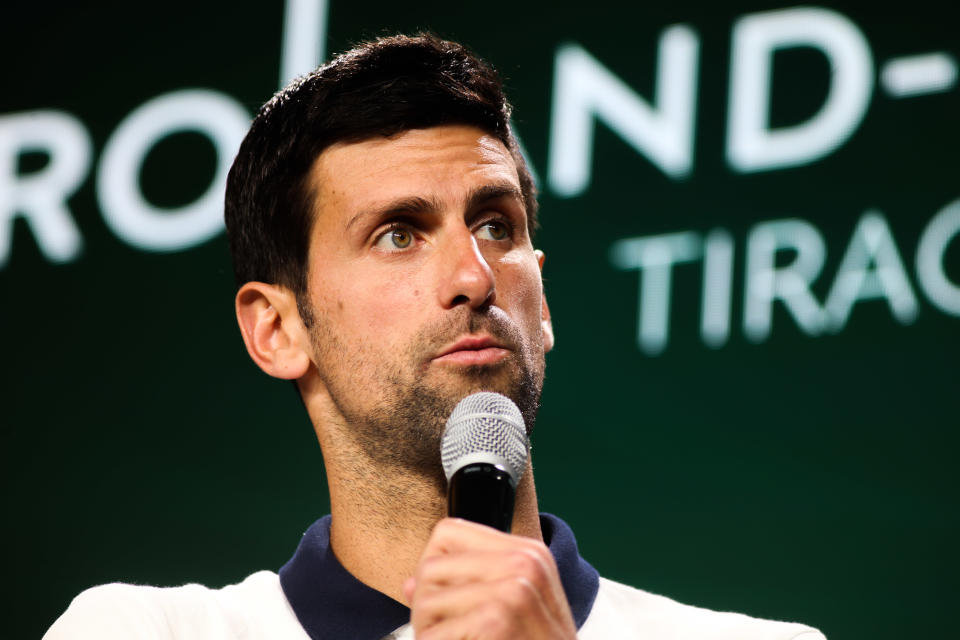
[473,580]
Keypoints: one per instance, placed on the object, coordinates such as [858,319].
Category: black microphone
[484,452]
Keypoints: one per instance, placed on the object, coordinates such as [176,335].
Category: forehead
[442,163]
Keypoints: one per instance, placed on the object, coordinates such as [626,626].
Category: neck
[383,518]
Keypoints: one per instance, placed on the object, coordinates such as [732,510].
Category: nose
[465,277]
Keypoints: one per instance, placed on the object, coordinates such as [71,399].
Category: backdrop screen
[751,216]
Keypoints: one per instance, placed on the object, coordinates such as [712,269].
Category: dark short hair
[378,88]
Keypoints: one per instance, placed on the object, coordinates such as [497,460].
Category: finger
[445,570]
[511,601]
[487,624]
[451,535]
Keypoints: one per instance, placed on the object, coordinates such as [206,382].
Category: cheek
[370,307]
[525,295]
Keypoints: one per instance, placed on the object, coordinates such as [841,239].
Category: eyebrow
[405,205]
[495,191]
[420,205]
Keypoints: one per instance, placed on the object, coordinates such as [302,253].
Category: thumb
[409,586]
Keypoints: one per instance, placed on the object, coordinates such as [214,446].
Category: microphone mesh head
[485,427]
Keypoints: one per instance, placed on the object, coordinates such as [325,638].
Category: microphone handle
[482,492]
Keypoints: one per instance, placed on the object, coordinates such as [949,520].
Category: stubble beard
[401,430]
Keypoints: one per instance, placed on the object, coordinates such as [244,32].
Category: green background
[802,478]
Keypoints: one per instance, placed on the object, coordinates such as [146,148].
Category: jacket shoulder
[114,611]
[623,611]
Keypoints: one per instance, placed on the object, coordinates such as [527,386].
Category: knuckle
[520,591]
[428,568]
[531,564]
[496,617]
[429,633]
[422,614]
[443,528]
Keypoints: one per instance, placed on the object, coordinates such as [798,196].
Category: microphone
[484,452]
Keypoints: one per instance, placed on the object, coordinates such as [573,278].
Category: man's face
[424,287]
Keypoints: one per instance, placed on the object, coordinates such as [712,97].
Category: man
[381,217]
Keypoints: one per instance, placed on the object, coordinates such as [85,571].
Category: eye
[494,230]
[395,238]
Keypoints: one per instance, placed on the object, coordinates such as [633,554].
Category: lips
[473,350]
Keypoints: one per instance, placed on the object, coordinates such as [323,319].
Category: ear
[546,324]
[272,329]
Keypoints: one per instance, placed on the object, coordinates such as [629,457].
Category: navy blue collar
[331,604]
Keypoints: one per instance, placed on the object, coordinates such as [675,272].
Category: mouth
[472,351]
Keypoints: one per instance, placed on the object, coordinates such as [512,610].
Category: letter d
[751,144]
